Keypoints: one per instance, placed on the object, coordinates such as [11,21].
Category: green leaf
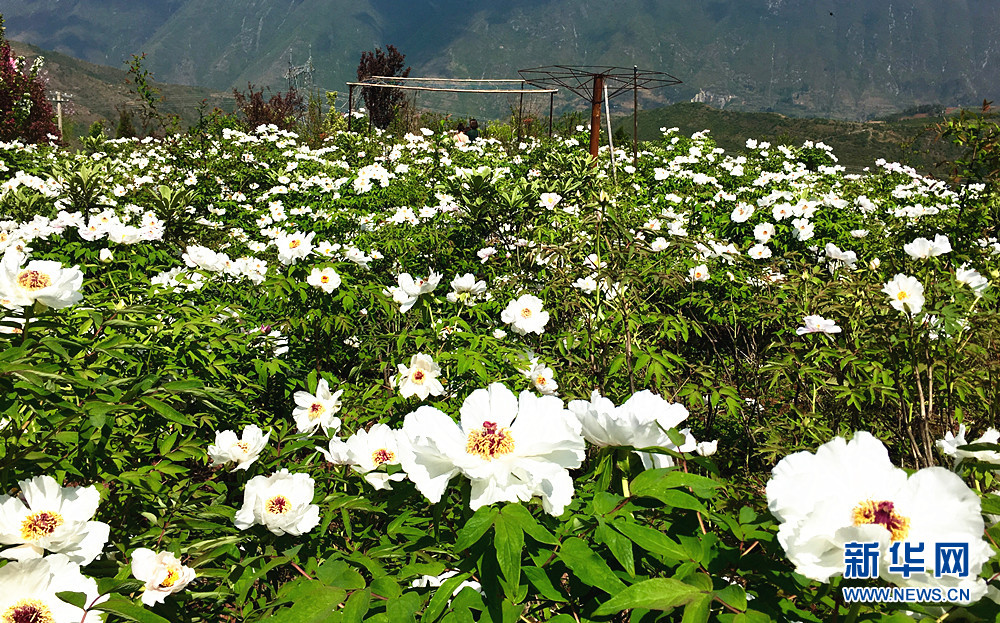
[620,546]
[72,597]
[442,595]
[357,606]
[312,602]
[655,594]
[508,541]
[652,540]
[696,611]
[588,566]
[116,604]
[476,527]
[166,410]
[523,518]
[340,574]
[543,583]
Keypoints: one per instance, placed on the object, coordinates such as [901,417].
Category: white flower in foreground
[368,450]
[281,502]
[44,281]
[325,279]
[951,443]
[971,277]
[410,289]
[29,590]
[525,315]
[466,289]
[817,324]
[906,294]
[229,448]
[420,379]
[763,232]
[838,256]
[741,213]
[511,448]
[549,200]
[161,573]
[54,519]
[922,248]
[850,492]
[642,421]
[317,410]
[698,273]
[759,251]
[294,247]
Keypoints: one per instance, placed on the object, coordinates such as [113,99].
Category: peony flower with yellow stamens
[281,502]
[50,518]
[161,573]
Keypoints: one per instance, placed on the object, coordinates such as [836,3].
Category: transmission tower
[301,77]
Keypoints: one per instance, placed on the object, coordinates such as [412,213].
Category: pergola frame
[391,82]
[592,83]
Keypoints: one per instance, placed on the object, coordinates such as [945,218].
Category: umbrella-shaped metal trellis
[593,82]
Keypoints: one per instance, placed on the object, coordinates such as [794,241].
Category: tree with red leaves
[382,103]
[25,113]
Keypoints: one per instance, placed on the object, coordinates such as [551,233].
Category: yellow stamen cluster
[28,611]
[243,446]
[490,441]
[526,312]
[382,455]
[39,525]
[884,514]
[33,280]
[173,574]
[278,505]
[316,409]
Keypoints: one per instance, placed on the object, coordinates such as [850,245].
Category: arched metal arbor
[591,82]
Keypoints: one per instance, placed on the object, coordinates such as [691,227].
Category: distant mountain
[851,59]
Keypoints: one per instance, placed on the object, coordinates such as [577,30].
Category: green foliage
[179,337]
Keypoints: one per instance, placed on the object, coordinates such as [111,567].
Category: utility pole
[59,101]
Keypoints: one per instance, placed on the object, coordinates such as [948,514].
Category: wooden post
[520,111]
[635,116]
[552,99]
[595,116]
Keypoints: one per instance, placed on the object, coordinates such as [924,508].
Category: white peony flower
[281,502]
[763,232]
[906,294]
[817,324]
[293,247]
[54,519]
[951,443]
[326,279]
[698,273]
[525,315]
[317,410]
[161,573]
[849,492]
[29,590]
[922,248]
[549,200]
[542,377]
[971,277]
[511,448]
[420,379]
[40,280]
[466,289]
[366,451]
[229,448]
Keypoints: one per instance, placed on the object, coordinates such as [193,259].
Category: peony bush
[406,378]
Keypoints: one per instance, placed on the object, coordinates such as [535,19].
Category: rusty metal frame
[590,81]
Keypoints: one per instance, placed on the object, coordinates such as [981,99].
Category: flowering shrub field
[405,378]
